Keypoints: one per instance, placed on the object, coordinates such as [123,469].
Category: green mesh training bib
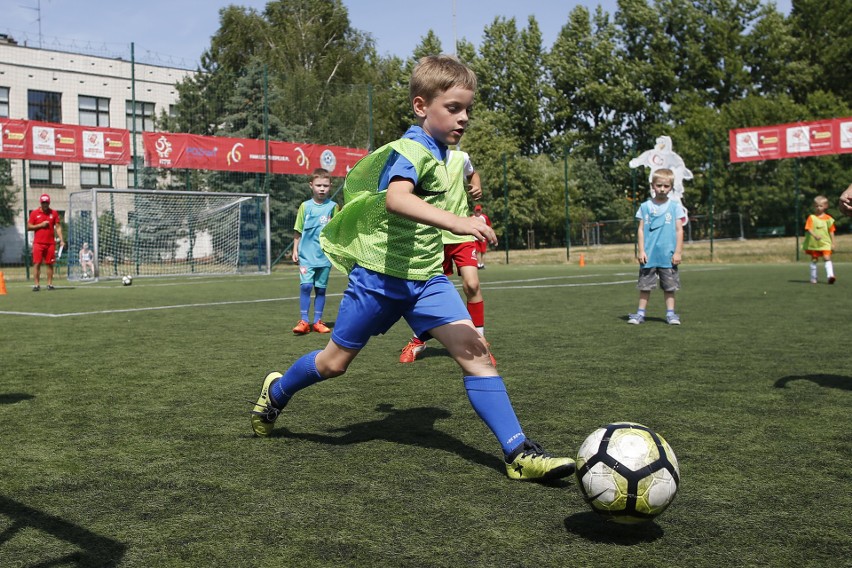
[365,233]
[456,196]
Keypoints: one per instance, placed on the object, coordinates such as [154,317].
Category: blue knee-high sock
[319,303]
[491,402]
[303,373]
[305,300]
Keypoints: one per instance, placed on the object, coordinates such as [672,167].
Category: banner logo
[302,160]
[328,160]
[163,147]
[234,155]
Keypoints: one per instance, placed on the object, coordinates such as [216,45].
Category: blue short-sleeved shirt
[659,224]
[310,220]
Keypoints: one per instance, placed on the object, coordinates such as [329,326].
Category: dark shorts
[668,277]
[460,254]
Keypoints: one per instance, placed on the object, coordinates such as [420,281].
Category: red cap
[45,198]
[477,208]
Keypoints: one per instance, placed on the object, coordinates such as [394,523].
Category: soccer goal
[166,233]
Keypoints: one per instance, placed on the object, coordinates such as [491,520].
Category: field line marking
[569,285]
[154,308]
[498,285]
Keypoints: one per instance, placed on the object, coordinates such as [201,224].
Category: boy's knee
[471,291]
[328,369]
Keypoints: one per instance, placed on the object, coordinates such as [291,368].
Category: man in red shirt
[481,247]
[46,226]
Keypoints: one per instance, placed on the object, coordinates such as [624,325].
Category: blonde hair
[435,74]
[663,174]
[821,200]
[320,173]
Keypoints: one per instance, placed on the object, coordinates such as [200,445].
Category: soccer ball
[127,280]
[627,473]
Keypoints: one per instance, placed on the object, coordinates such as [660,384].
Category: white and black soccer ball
[127,280]
[627,472]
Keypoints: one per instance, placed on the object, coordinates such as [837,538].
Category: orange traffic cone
[582,260]
[2,284]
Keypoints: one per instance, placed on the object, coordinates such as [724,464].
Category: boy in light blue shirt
[314,267]
[660,236]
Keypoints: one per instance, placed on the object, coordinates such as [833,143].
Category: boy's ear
[419,104]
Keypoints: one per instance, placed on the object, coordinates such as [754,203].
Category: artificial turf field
[125,438]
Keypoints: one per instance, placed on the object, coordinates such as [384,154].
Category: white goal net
[166,233]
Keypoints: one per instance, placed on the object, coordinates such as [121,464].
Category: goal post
[145,233]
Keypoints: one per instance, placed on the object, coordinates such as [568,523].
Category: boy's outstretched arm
[400,200]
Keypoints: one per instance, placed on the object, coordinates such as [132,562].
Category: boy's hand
[845,203]
[475,226]
[642,257]
[676,258]
[474,191]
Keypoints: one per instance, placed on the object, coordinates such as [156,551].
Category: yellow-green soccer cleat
[529,462]
[263,414]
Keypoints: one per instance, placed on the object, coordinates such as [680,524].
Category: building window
[45,173]
[95,175]
[144,116]
[44,106]
[94,111]
[4,101]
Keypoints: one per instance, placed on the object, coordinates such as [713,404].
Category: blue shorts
[316,275]
[373,302]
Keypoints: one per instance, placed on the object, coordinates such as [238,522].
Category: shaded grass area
[125,438]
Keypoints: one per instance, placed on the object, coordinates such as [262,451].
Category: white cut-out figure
[662,157]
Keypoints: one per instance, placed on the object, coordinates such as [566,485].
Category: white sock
[829,269]
[481,331]
[813,271]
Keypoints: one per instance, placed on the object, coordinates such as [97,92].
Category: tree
[592,97]
[8,195]
[820,29]
[510,70]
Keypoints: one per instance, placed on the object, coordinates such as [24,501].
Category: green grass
[124,436]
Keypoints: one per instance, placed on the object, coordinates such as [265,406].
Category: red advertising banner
[168,150]
[30,140]
[13,138]
[794,140]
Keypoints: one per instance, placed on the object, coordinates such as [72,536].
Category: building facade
[55,86]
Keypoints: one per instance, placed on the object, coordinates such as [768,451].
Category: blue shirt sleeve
[397,166]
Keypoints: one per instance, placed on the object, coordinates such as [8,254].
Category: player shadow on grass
[94,550]
[13,397]
[648,319]
[595,528]
[411,426]
[827,381]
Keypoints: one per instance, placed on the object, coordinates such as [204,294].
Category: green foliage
[604,91]
[820,30]
[511,75]
[8,195]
